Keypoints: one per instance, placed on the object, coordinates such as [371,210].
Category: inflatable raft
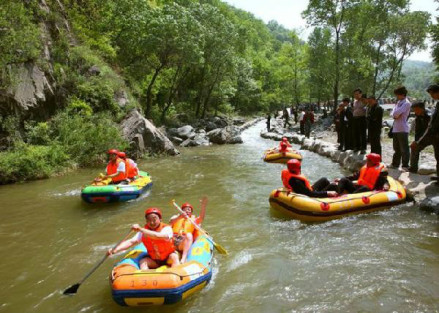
[309,209]
[102,192]
[274,156]
[134,287]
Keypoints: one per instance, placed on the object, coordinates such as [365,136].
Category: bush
[26,162]
[86,138]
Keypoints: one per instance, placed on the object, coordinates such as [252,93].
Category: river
[380,262]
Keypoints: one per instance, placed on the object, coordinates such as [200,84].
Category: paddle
[74,288]
[203,209]
[218,247]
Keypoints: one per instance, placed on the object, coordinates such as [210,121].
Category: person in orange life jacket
[372,176]
[157,238]
[293,180]
[130,166]
[184,230]
[285,140]
[115,168]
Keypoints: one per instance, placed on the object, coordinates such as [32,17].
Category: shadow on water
[382,262]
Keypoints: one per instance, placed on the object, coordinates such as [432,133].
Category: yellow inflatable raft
[274,156]
[309,209]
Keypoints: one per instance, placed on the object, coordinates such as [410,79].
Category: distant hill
[418,75]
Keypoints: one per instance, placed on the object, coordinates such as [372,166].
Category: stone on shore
[143,136]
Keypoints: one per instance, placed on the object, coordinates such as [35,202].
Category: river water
[381,262]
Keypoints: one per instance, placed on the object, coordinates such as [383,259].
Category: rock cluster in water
[218,130]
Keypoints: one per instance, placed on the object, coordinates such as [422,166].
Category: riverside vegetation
[177,61]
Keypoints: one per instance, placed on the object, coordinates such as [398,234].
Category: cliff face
[45,68]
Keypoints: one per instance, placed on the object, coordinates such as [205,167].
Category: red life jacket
[158,248]
[369,175]
[287,175]
[112,169]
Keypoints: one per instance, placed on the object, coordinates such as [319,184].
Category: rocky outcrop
[144,136]
[218,130]
[226,135]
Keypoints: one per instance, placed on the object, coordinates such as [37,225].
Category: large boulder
[199,139]
[184,132]
[144,136]
[227,135]
[430,204]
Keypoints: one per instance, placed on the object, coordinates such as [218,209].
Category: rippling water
[381,262]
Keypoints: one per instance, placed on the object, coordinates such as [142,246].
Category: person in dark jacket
[421,123]
[374,118]
[294,181]
[268,121]
[346,125]
[431,135]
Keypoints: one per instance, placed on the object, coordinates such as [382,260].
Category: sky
[288,13]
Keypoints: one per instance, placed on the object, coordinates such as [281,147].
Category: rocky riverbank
[323,142]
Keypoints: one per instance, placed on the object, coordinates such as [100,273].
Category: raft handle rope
[374,192]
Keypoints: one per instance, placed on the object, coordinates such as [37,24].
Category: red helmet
[294,166]
[122,155]
[375,158]
[187,204]
[113,151]
[153,211]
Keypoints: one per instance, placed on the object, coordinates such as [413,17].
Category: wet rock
[176,140]
[210,126]
[144,136]
[199,139]
[227,135]
[430,204]
[427,169]
[184,132]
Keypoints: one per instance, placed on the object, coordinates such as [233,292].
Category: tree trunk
[149,92]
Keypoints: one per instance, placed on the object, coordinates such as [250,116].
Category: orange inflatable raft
[164,285]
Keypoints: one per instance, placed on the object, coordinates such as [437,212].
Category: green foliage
[79,107]
[19,37]
[85,138]
[31,162]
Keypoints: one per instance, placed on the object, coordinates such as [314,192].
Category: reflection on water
[381,262]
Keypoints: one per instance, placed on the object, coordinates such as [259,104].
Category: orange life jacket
[112,169]
[182,226]
[158,248]
[130,170]
[369,175]
[134,171]
[287,175]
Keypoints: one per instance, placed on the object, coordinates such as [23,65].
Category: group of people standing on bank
[362,121]
[358,123]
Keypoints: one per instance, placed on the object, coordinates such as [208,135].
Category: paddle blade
[72,290]
[220,249]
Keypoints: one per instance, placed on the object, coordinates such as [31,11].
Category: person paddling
[294,181]
[184,229]
[157,238]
